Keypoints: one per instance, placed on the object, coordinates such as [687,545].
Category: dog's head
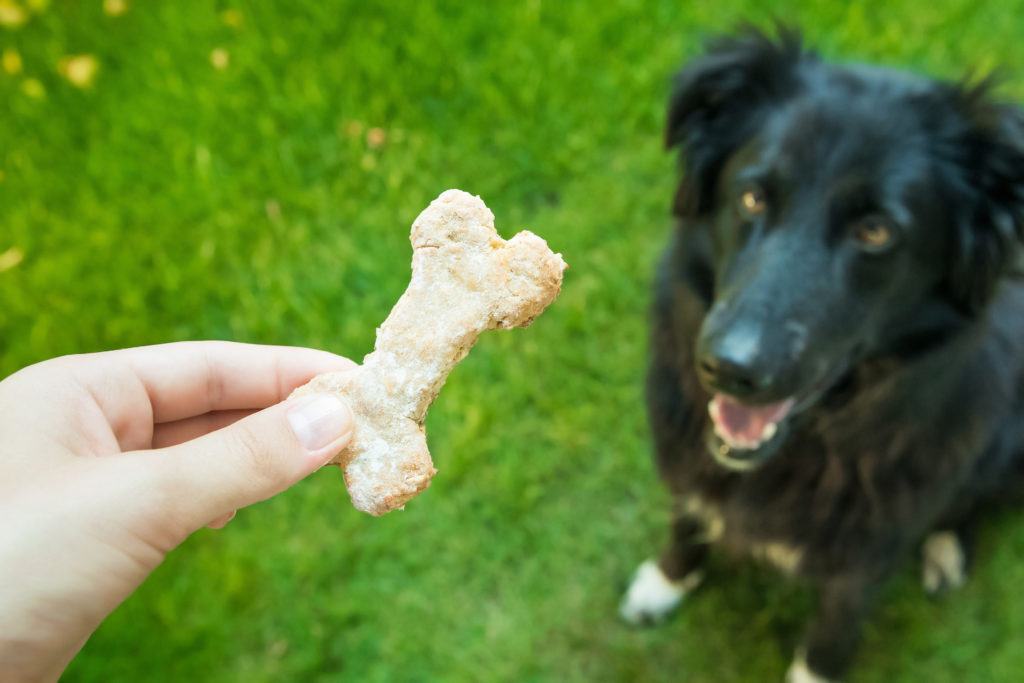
[836,212]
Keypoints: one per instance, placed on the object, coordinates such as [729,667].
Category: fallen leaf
[11,14]
[232,18]
[34,88]
[11,258]
[80,70]
[11,61]
[220,58]
[115,8]
[375,137]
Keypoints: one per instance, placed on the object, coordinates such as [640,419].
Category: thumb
[254,458]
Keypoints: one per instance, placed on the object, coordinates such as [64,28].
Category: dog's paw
[800,673]
[652,596]
[944,563]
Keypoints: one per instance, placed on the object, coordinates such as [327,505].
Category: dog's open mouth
[744,434]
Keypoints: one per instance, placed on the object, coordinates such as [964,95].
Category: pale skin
[109,461]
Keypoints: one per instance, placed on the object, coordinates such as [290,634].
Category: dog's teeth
[769,431]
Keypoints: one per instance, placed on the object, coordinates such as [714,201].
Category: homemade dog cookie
[465,279]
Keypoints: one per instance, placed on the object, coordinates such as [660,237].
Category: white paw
[943,565]
[651,595]
[799,673]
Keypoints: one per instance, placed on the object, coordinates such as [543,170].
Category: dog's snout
[731,364]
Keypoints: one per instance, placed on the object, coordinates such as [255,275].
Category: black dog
[838,344]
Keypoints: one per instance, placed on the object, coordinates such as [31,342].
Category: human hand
[110,460]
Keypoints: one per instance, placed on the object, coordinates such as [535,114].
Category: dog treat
[465,280]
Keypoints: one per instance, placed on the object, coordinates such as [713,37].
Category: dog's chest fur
[862,475]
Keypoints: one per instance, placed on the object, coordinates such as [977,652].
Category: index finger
[185,379]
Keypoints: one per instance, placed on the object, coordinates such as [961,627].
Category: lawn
[249,171]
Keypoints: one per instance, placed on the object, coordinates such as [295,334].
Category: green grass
[173,200]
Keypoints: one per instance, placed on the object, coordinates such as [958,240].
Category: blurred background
[250,170]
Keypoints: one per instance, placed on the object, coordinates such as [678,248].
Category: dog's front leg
[834,632]
[658,587]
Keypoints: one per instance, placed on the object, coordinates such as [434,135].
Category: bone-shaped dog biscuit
[465,280]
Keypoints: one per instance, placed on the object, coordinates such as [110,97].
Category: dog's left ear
[719,100]
[990,232]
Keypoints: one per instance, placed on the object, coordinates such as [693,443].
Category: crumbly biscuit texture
[465,280]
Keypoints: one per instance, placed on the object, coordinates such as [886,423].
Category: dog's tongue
[741,424]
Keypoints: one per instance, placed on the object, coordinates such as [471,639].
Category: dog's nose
[729,377]
[731,364]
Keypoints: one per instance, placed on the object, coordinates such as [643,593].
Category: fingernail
[222,521]
[320,420]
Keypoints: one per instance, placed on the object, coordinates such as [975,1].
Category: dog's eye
[873,234]
[753,201]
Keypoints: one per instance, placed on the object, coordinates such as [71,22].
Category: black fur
[910,363]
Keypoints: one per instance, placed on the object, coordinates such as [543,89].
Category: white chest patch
[714,523]
[780,555]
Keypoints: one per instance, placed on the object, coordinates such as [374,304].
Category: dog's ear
[989,241]
[718,100]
